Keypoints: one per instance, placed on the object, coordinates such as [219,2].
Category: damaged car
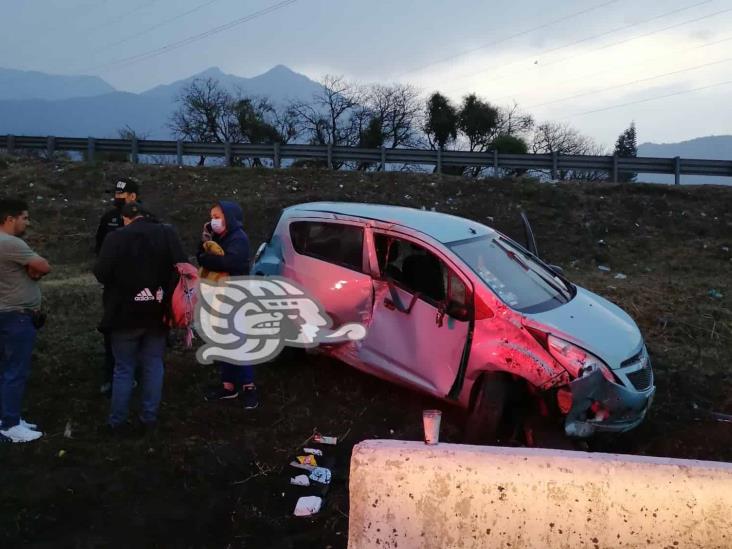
[458,310]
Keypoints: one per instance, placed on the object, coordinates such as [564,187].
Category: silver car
[458,310]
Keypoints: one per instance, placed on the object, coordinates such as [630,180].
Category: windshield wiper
[513,255]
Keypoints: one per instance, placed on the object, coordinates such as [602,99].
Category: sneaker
[249,396]
[21,434]
[221,393]
[31,426]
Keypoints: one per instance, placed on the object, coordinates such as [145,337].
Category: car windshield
[518,279]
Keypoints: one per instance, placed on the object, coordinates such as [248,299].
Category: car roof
[442,227]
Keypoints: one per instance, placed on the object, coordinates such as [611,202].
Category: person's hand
[207,234]
[35,274]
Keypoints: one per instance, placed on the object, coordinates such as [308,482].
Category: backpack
[183,301]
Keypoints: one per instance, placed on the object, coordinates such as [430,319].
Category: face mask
[119,202]
[217,225]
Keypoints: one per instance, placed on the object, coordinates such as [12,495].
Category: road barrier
[408,494]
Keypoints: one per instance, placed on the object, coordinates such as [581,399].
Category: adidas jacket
[136,266]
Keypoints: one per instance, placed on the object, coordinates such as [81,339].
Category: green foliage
[477,120]
[627,147]
[509,144]
[441,125]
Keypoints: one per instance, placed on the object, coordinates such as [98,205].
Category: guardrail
[552,163]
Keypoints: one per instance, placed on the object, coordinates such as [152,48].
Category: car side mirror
[458,311]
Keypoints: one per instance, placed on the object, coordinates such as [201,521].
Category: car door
[411,337]
[327,260]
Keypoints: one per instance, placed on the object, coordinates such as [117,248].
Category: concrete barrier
[408,494]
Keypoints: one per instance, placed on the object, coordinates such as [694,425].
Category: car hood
[594,324]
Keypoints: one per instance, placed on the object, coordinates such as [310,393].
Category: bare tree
[207,113]
[398,109]
[511,121]
[551,137]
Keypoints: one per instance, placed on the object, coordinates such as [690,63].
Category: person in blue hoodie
[226,229]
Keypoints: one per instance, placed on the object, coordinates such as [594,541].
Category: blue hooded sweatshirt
[234,242]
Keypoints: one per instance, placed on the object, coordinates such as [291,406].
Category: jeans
[238,375]
[17,337]
[144,347]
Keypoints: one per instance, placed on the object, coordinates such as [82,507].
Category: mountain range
[35,103]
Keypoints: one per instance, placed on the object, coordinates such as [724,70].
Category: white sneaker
[21,434]
[31,426]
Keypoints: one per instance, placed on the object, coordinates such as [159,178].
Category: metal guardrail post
[330,156]
[134,149]
[179,152]
[382,168]
[615,168]
[555,164]
[50,146]
[276,158]
[90,150]
[227,152]
[677,170]
[439,161]
[11,144]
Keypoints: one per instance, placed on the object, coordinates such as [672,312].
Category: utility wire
[590,38]
[506,39]
[586,77]
[191,39]
[718,84]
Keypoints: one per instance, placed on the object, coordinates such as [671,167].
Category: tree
[627,147]
[441,121]
[477,120]
[551,137]
[510,144]
[207,113]
[397,109]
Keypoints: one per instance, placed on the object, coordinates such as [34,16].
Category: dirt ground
[218,476]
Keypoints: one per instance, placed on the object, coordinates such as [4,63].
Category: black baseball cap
[126,185]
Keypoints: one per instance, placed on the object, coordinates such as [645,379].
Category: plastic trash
[321,439]
[302,465]
[321,475]
[604,269]
[715,294]
[307,460]
[300,480]
[620,276]
[313,451]
[307,505]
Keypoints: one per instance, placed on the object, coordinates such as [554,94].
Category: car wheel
[486,421]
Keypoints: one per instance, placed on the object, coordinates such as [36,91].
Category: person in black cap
[126,191]
[136,266]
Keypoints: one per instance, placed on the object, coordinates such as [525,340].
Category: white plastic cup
[431,420]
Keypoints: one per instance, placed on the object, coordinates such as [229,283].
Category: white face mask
[217,225]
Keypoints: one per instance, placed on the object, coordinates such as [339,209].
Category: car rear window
[336,243]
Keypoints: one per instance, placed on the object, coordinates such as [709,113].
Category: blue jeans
[17,337]
[144,347]
[238,375]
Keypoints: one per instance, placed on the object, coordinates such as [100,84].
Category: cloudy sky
[595,64]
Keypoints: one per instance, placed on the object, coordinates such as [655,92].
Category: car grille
[641,379]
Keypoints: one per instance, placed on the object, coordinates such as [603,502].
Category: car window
[336,243]
[518,280]
[413,267]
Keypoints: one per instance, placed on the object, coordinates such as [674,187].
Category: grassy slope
[179,489]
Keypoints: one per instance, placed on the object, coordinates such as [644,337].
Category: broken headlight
[575,359]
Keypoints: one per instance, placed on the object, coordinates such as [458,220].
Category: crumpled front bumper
[626,408]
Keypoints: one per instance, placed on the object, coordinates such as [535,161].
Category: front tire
[486,422]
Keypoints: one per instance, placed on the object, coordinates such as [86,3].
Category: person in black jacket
[226,229]
[136,265]
[126,191]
